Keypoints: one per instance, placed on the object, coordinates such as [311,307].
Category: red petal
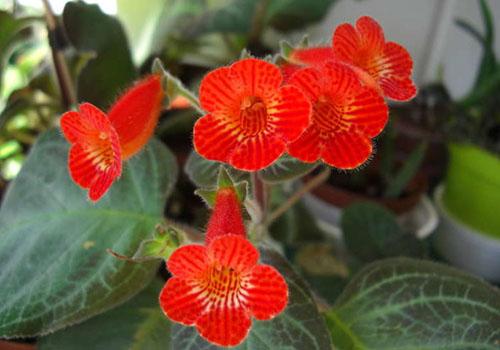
[339,80]
[395,73]
[371,34]
[346,150]
[183,301]
[367,113]
[226,217]
[74,126]
[289,112]
[257,152]
[309,80]
[345,42]
[224,326]
[219,92]
[257,77]
[85,169]
[308,147]
[234,252]
[314,56]
[95,157]
[288,70]
[135,115]
[188,261]
[265,292]
[214,138]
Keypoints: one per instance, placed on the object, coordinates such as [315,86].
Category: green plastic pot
[472,188]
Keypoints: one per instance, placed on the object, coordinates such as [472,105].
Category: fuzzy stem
[259,194]
[295,197]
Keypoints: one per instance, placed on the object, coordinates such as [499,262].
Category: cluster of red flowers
[219,286]
[327,103]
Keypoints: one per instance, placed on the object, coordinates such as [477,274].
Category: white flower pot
[464,246]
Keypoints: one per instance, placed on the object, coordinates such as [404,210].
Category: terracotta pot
[10,345]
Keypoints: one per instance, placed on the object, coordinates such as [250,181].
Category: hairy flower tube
[381,64]
[346,115]
[251,115]
[100,142]
[219,288]
[226,217]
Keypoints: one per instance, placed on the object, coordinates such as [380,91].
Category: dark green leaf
[203,172]
[407,172]
[112,69]
[238,16]
[286,168]
[55,269]
[295,14]
[139,324]
[371,232]
[300,326]
[407,304]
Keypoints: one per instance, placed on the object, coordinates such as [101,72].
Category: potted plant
[469,235]
[105,243]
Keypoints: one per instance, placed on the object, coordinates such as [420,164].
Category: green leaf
[408,304]
[371,232]
[407,172]
[139,324]
[55,269]
[10,28]
[112,70]
[288,15]
[164,242]
[284,169]
[300,326]
[204,173]
[153,23]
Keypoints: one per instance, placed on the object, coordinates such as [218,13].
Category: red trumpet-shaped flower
[388,63]
[219,288]
[380,64]
[100,143]
[346,115]
[251,116]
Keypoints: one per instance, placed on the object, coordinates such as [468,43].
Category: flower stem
[260,194]
[295,197]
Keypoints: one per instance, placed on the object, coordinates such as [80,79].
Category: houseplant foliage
[84,227]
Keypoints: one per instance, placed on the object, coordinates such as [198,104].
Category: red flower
[226,217]
[346,115]
[100,144]
[251,117]
[382,65]
[220,287]
[388,63]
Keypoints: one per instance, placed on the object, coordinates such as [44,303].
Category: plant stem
[294,198]
[259,194]
[63,77]
[193,100]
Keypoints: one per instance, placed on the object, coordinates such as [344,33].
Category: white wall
[426,28]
